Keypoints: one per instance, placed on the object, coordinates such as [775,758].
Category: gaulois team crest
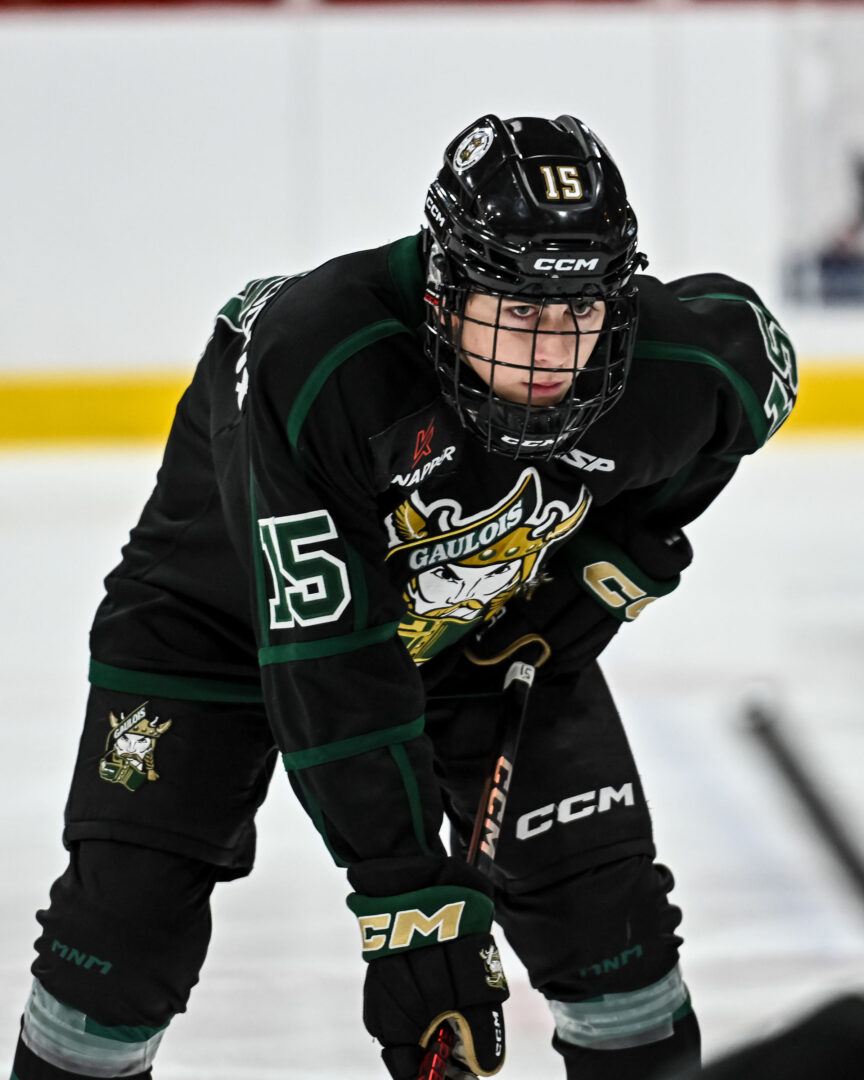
[462,568]
[493,968]
[130,748]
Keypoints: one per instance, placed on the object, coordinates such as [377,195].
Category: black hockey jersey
[323,532]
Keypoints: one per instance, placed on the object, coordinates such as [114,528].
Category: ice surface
[774,606]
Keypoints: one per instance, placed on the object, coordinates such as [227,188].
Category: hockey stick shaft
[493,801]
[489,818]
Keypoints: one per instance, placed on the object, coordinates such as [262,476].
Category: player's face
[541,346]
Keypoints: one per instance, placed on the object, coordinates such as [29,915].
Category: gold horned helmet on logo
[504,534]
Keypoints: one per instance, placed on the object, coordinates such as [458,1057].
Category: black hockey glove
[431,959]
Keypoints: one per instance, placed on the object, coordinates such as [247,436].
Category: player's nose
[555,344]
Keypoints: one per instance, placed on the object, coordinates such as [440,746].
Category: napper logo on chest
[424,460]
[415,476]
[461,567]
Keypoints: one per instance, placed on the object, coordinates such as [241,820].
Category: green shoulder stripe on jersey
[396,924]
[328,364]
[407,272]
[663,350]
[315,650]
[358,744]
[237,310]
[180,687]
[726,296]
[780,353]
[412,790]
[612,578]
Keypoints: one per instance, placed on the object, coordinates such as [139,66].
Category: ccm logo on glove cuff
[395,924]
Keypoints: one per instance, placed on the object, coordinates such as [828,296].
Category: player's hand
[431,959]
[407,997]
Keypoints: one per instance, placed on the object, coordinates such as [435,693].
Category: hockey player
[385,475]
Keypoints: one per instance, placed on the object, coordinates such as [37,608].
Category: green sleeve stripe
[359,592]
[262,600]
[662,350]
[413,792]
[313,809]
[358,744]
[180,687]
[328,364]
[316,650]
[672,485]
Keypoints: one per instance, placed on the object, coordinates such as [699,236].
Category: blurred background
[156,157]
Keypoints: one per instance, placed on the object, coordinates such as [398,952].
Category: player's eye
[523,311]
[582,310]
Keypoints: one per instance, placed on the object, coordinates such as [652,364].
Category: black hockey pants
[578,894]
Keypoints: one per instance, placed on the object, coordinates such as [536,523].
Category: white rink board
[774,600]
[158,160]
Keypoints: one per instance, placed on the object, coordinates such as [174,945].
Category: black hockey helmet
[532,210]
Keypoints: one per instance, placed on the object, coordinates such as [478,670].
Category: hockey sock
[28,1066]
[651,1061]
[58,1041]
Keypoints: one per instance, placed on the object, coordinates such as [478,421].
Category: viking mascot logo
[129,750]
[493,967]
[460,569]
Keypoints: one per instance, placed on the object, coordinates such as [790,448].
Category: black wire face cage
[530,390]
